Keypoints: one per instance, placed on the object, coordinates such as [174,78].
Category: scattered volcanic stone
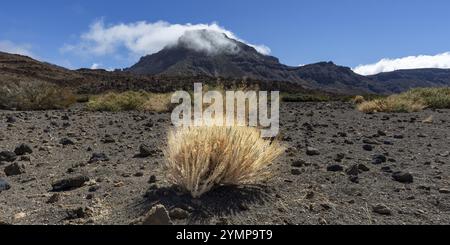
[296,171]
[79,213]
[354,178]
[378,159]
[353,170]
[152,179]
[335,168]
[158,215]
[363,167]
[146,151]
[402,177]
[66,141]
[108,139]
[368,147]
[54,198]
[442,190]
[386,169]
[339,157]
[70,183]
[7,156]
[178,213]
[398,136]
[15,169]
[98,157]
[381,209]
[310,151]
[11,119]
[381,133]
[298,163]
[23,149]
[4,185]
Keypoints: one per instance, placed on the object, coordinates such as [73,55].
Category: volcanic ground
[340,167]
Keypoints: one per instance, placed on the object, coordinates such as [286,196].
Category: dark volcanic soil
[344,184]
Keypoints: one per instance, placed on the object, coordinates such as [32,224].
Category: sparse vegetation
[358,99]
[201,158]
[301,97]
[130,100]
[410,101]
[35,96]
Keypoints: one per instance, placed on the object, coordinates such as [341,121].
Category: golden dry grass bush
[393,103]
[158,103]
[201,158]
[35,96]
[358,99]
[130,100]
[413,100]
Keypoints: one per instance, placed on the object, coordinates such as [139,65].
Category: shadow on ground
[220,202]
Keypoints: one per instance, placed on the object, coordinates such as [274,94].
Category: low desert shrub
[413,100]
[130,100]
[393,103]
[158,103]
[300,97]
[201,158]
[35,96]
[358,99]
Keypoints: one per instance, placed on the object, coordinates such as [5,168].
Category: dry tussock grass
[392,103]
[201,158]
[358,99]
[413,100]
[130,100]
[35,96]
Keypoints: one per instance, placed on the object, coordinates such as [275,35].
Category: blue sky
[347,32]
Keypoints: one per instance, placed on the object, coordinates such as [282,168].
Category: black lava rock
[403,177]
[23,149]
[7,156]
[70,183]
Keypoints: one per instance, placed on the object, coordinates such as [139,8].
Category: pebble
[15,169]
[4,185]
[368,147]
[7,156]
[70,183]
[158,215]
[381,209]
[402,177]
[23,149]
[310,151]
[178,213]
[98,157]
[378,159]
[335,168]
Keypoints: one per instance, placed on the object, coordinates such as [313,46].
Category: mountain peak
[209,42]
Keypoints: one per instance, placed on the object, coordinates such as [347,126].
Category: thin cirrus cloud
[411,62]
[15,48]
[143,38]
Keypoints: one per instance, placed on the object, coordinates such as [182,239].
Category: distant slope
[401,80]
[15,68]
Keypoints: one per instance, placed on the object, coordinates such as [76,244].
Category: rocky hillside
[401,80]
[240,60]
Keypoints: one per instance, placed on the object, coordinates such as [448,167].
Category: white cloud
[410,62]
[14,48]
[143,38]
[95,66]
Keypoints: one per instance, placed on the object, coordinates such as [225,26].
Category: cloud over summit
[411,62]
[143,38]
